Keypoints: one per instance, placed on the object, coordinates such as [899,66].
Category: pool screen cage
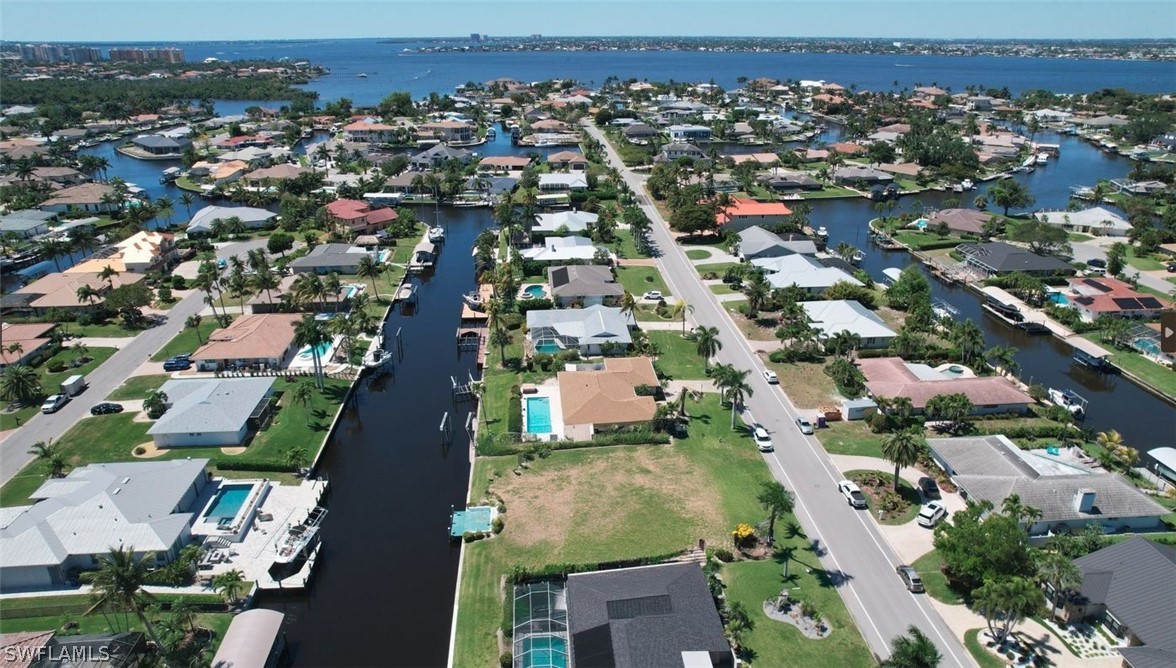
[540,626]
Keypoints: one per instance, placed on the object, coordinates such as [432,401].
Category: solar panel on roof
[1126,303]
[1150,302]
[641,606]
[1096,285]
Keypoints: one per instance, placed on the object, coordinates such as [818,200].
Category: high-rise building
[165,55]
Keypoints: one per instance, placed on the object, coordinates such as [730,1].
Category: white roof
[802,271]
[250,639]
[595,324]
[569,180]
[210,405]
[562,248]
[1094,217]
[97,507]
[574,221]
[843,315]
[202,220]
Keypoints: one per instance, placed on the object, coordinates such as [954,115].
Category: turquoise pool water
[922,223]
[547,347]
[323,349]
[544,652]
[1148,346]
[228,502]
[1058,298]
[384,255]
[534,291]
[538,415]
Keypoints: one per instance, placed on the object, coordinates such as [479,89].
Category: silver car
[805,426]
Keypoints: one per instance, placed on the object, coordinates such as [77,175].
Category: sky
[199,20]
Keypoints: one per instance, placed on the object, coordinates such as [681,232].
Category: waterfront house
[563,183]
[606,397]
[639,132]
[244,141]
[853,176]
[66,176]
[563,249]
[997,258]
[830,318]
[212,412]
[1096,296]
[251,340]
[88,197]
[675,150]
[77,519]
[359,217]
[583,285]
[27,223]
[688,133]
[550,126]
[1129,588]
[890,377]
[503,164]
[327,258]
[568,160]
[583,330]
[762,159]
[783,181]
[803,272]
[266,176]
[1069,496]
[745,212]
[563,221]
[448,132]
[160,145]
[960,221]
[661,615]
[436,156]
[32,338]
[367,132]
[251,218]
[60,291]
[283,300]
[756,243]
[1096,220]
[228,172]
[140,253]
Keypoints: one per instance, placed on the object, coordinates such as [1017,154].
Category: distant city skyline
[215,20]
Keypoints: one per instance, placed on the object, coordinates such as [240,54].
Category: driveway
[855,552]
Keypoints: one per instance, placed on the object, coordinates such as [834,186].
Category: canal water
[383,595]
[1115,402]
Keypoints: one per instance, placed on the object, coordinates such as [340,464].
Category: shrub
[506,659]
[724,555]
[514,412]
[56,366]
[513,321]
[178,282]
[497,525]
[139,450]
[86,319]
[239,464]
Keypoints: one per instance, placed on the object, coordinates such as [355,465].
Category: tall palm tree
[707,343]
[902,449]
[265,279]
[913,650]
[50,453]
[20,383]
[193,322]
[1004,357]
[345,327]
[107,274]
[734,387]
[301,395]
[969,338]
[53,249]
[628,303]
[757,290]
[188,199]
[308,288]
[1059,572]
[777,500]
[843,342]
[371,269]
[683,309]
[86,293]
[310,332]
[118,585]
[165,206]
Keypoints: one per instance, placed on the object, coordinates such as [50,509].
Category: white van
[73,385]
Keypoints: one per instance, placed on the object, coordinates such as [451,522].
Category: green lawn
[698,254]
[625,246]
[655,500]
[906,491]
[639,280]
[934,580]
[51,382]
[1145,263]
[829,191]
[1076,237]
[850,438]
[1160,377]
[137,387]
[722,289]
[778,644]
[187,341]
[979,652]
[678,359]
[916,240]
[718,268]
[111,328]
[806,383]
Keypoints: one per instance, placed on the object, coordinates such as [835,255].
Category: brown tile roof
[505,161]
[86,193]
[30,336]
[890,377]
[608,397]
[61,290]
[258,336]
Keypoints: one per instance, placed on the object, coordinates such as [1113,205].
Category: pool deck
[288,505]
[550,390]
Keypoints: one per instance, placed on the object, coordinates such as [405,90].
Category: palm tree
[310,332]
[183,612]
[296,458]
[371,269]
[265,279]
[628,303]
[20,384]
[48,452]
[165,207]
[843,342]
[86,293]
[53,249]
[1004,357]
[902,449]
[707,343]
[683,309]
[757,290]
[1111,440]
[308,288]
[16,349]
[777,500]
[1005,603]
[735,388]
[345,327]
[913,650]
[969,338]
[107,274]
[193,322]
[230,584]
[1061,575]
[118,585]
[187,199]
[302,395]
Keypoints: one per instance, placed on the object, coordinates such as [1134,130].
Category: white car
[54,403]
[852,493]
[771,377]
[805,426]
[931,514]
[762,440]
[653,295]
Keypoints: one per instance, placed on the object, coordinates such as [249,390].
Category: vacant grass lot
[679,359]
[934,580]
[850,438]
[806,383]
[137,387]
[616,503]
[639,280]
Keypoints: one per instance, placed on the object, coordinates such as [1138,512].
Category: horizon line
[466,37]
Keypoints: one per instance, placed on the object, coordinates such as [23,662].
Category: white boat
[362,75]
[299,536]
[967,184]
[857,257]
[1041,158]
[1029,162]
[473,300]
[822,232]
[436,234]
[1070,400]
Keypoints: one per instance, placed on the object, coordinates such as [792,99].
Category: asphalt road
[103,380]
[854,551]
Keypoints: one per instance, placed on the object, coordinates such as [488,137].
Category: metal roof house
[1131,588]
[583,329]
[996,258]
[149,506]
[252,218]
[843,315]
[571,221]
[802,271]
[755,243]
[212,411]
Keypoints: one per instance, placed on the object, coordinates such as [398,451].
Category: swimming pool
[1146,346]
[548,347]
[323,348]
[384,255]
[1058,298]
[922,223]
[538,415]
[228,501]
[535,291]
[351,290]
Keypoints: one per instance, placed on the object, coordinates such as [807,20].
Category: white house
[803,272]
[571,221]
[1095,220]
[831,317]
[562,183]
[212,411]
[584,329]
[563,249]
[689,133]
[250,217]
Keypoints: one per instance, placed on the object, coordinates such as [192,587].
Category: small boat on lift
[822,232]
[1070,400]
[362,75]
[1042,158]
[437,234]
[299,537]
[857,258]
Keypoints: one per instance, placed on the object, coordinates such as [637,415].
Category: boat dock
[1016,313]
[1088,353]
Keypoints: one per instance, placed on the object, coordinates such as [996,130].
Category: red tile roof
[741,207]
[890,377]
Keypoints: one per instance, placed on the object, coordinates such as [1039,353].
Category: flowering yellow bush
[743,534]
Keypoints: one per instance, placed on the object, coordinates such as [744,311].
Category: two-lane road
[853,550]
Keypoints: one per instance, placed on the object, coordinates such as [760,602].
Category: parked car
[852,493]
[762,440]
[931,514]
[54,403]
[1097,262]
[106,408]
[177,364]
[928,487]
[653,295]
[771,377]
[910,578]
[1172,268]
[805,426]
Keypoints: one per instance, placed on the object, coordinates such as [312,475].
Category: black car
[1172,268]
[1097,262]
[929,488]
[106,408]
